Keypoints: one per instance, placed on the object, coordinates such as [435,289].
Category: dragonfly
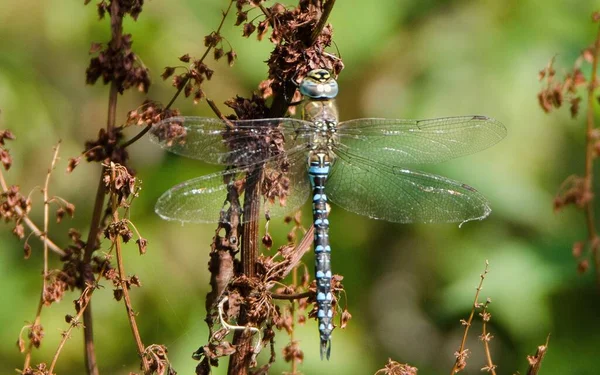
[360,165]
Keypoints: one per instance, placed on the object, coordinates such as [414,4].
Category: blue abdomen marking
[318,172]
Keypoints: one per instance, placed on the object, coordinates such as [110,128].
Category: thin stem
[293,324]
[486,344]
[36,321]
[90,246]
[47,210]
[38,313]
[123,278]
[327,8]
[589,158]
[459,357]
[535,362]
[291,297]
[86,298]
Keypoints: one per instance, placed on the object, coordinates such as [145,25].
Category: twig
[589,158]
[302,248]
[90,246]
[231,327]
[535,362]
[486,337]
[47,210]
[291,297]
[38,313]
[461,353]
[86,298]
[327,8]
[123,276]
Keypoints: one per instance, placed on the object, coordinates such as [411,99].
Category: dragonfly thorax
[324,136]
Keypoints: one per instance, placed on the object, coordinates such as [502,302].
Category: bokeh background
[407,285]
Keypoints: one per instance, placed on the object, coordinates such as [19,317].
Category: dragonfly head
[319,84]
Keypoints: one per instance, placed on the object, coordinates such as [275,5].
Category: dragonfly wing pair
[369,175]
[243,144]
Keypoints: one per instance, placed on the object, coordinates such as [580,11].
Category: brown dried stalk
[462,353]
[535,361]
[123,276]
[486,338]
[576,189]
[43,235]
[84,298]
[591,140]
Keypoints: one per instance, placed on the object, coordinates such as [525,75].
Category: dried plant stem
[36,321]
[291,297]
[47,210]
[86,298]
[241,360]
[43,235]
[90,246]
[535,362]
[486,344]
[123,278]
[302,248]
[30,224]
[591,139]
[327,8]
[293,324]
[459,354]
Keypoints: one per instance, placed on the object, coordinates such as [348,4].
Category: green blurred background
[407,285]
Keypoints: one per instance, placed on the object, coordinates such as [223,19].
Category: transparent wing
[239,142]
[203,199]
[401,142]
[381,191]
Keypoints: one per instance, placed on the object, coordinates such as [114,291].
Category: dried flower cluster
[5,158]
[395,368]
[13,208]
[149,113]
[557,92]
[576,189]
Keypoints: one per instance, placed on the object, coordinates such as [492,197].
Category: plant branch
[327,8]
[535,362]
[47,210]
[486,337]
[123,276]
[460,354]
[591,139]
[291,297]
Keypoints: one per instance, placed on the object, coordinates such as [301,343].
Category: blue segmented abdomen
[318,172]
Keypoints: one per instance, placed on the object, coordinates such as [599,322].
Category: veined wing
[381,191]
[401,142]
[237,143]
[203,199]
